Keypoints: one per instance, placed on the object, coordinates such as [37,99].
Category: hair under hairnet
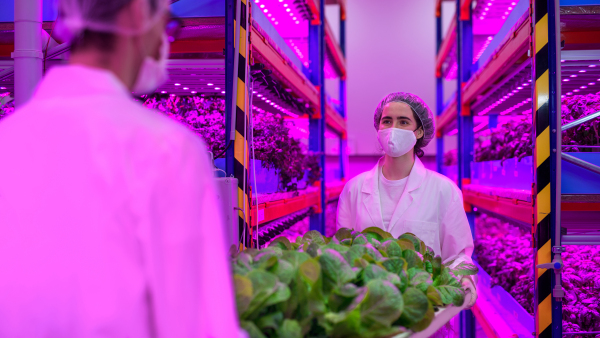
[100,16]
[418,106]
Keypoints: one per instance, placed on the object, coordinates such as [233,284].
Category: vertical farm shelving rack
[237,49]
[538,41]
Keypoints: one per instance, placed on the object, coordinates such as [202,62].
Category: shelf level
[333,48]
[513,208]
[446,118]
[576,210]
[269,211]
[291,77]
[334,189]
[505,57]
[283,70]
[335,121]
[446,47]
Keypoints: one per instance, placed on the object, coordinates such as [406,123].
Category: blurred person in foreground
[109,224]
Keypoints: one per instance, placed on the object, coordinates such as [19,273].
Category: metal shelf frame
[319,39]
[535,36]
[311,90]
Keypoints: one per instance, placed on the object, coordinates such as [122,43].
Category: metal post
[343,141]
[547,151]
[28,53]
[343,138]
[237,162]
[229,88]
[493,121]
[316,51]
[464,41]
[556,144]
[439,96]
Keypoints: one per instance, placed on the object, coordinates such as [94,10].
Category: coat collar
[371,188]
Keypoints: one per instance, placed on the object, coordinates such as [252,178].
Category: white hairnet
[420,109]
[100,16]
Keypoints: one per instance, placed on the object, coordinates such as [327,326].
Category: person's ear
[419,133]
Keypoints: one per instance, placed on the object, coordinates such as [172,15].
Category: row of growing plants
[505,253]
[273,145]
[514,138]
[354,284]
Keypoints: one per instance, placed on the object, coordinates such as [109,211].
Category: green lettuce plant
[354,284]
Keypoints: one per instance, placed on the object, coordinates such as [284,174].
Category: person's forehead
[397,109]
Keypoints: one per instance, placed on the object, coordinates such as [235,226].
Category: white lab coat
[109,225]
[431,207]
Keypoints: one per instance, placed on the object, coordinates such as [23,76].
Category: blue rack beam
[316,51]
[335,51]
[439,92]
[464,42]
[343,142]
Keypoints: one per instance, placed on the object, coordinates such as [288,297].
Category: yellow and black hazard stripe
[241,150]
[543,209]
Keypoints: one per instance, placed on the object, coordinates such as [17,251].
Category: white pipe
[28,51]
[580,121]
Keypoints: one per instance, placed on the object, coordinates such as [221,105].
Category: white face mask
[396,142]
[153,73]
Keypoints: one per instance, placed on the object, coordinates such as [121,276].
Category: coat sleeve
[455,233]
[191,291]
[345,213]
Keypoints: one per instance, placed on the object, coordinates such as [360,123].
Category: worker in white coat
[400,195]
[109,223]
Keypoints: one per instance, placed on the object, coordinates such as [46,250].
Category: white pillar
[28,48]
